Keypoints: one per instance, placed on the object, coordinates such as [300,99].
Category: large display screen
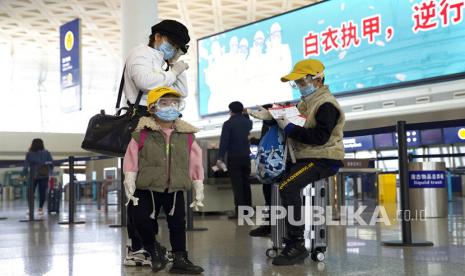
[364,45]
[384,140]
[431,136]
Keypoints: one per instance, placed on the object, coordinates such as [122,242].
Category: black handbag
[110,134]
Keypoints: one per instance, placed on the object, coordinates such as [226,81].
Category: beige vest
[334,148]
[164,166]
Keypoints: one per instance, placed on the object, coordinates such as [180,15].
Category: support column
[136,19]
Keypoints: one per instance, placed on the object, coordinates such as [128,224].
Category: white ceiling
[36,22]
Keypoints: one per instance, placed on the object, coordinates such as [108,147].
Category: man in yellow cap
[162,161]
[317,146]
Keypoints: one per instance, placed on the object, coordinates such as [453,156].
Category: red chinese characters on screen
[424,16]
[329,39]
[428,14]
[347,35]
[449,7]
[371,27]
[311,45]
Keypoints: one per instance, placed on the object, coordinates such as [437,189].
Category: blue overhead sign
[427,179]
[453,135]
[70,54]
[364,44]
[358,143]
[413,138]
[70,65]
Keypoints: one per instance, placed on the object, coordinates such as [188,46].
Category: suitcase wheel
[318,256]
[271,252]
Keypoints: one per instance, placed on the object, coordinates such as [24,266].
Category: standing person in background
[144,67]
[234,142]
[38,167]
[264,230]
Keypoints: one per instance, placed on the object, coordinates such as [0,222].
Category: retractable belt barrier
[72,195]
[72,200]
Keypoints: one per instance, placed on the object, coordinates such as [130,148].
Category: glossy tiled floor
[93,248]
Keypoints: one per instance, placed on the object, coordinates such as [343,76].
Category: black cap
[236,107]
[175,31]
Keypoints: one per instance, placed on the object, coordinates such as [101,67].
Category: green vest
[334,148]
[163,166]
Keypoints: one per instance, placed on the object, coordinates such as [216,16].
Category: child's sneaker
[138,258]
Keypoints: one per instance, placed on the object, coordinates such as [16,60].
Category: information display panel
[366,45]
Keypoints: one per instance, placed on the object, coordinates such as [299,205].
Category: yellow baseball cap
[305,67]
[159,92]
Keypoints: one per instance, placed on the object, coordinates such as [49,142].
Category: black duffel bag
[110,134]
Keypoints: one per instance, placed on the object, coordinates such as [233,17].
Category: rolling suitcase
[278,228]
[314,194]
[54,199]
[316,236]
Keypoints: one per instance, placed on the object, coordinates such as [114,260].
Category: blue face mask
[309,89]
[168,114]
[167,49]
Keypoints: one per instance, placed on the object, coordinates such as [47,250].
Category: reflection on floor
[93,248]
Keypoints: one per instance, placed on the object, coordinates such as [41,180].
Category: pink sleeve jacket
[131,162]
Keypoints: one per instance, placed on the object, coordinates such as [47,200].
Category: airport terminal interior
[396,69]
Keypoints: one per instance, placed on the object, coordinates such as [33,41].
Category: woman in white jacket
[147,67]
[156,64]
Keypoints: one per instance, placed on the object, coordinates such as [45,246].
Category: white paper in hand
[291,112]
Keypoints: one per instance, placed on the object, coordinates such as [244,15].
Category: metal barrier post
[3,195]
[99,195]
[190,214]
[335,197]
[122,199]
[71,191]
[404,192]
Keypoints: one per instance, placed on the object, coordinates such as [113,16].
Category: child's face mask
[168,109]
[306,85]
[168,113]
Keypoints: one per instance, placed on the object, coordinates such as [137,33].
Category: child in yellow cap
[162,161]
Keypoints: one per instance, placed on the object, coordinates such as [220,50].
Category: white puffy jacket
[144,72]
